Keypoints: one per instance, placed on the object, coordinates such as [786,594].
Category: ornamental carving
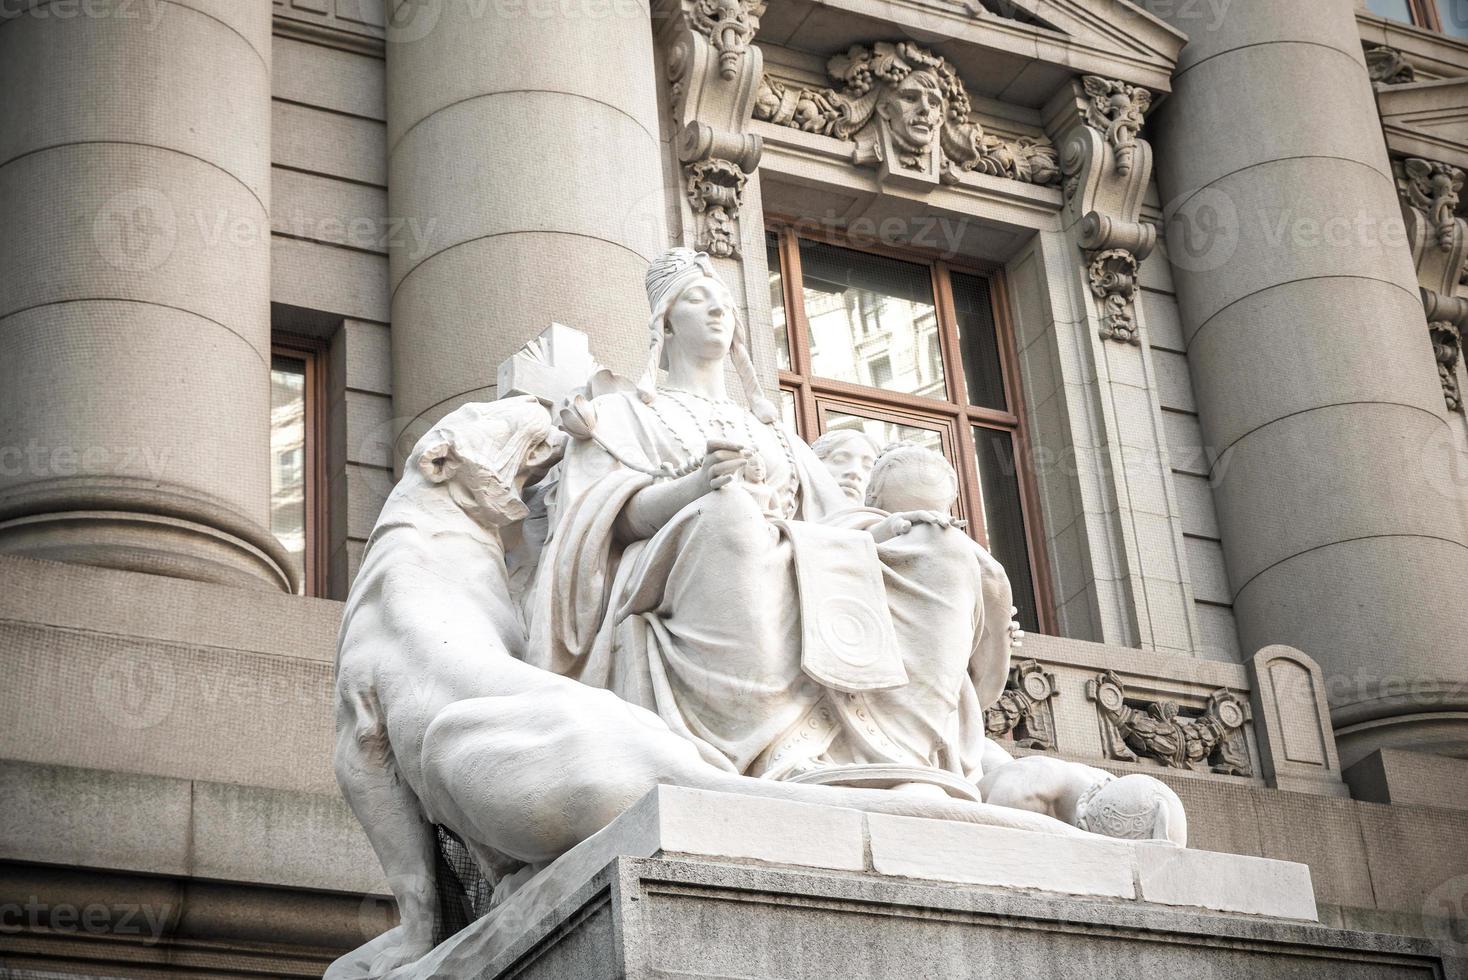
[729,25]
[1023,708]
[1439,242]
[908,113]
[1159,730]
[1447,347]
[713,68]
[1434,188]
[1117,110]
[1113,279]
[1388,66]
[1107,166]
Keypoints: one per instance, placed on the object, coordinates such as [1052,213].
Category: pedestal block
[690,883]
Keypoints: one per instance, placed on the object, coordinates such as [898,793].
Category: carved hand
[896,524]
[723,461]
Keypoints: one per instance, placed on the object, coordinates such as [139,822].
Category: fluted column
[1342,527]
[524,154]
[135,299]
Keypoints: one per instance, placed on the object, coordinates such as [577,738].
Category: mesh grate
[463,891]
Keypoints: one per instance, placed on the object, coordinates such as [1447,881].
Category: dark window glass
[974,312]
[869,310]
[1004,518]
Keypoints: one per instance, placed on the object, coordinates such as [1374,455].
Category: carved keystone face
[912,110]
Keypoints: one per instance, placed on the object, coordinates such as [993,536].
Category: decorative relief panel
[1023,709]
[1167,733]
[1439,240]
[908,114]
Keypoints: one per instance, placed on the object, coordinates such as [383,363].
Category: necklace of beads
[695,457]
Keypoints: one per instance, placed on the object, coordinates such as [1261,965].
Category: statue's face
[850,462]
[701,321]
[914,109]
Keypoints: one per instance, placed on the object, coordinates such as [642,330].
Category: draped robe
[702,622]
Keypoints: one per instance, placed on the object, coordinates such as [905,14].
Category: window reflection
[777,301]
[1453,15]
[288,454]
[885,432]
[1394,9]
[872,320]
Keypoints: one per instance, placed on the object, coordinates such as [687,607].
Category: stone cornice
[1431,54]
[1135,48]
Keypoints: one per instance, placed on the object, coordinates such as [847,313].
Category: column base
[156,530]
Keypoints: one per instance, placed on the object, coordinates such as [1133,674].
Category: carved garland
[1159,731]
[908,112]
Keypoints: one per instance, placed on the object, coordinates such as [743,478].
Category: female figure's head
[695,322]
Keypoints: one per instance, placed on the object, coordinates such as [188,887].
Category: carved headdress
[669,274]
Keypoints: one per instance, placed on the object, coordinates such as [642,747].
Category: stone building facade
[1177,287]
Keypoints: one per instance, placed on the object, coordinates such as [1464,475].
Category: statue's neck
[704,378]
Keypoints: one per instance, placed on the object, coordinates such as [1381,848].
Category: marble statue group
[568,602]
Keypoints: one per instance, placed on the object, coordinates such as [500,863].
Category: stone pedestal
[690,883]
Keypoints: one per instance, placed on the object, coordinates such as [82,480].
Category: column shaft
[524,155]
[1317,392]
[135,305]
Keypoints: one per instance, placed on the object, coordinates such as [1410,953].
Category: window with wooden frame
[911,348]
[1448,17]
[297,457]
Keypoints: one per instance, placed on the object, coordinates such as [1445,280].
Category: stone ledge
[118,821]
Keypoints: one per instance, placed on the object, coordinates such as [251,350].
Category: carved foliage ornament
[1117,111]
[907,111]
[1447,346]
[1113,279]
[1107,166]
[1434,187]
[1158,730]
[729,25]
[1430,193]
[713,69]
